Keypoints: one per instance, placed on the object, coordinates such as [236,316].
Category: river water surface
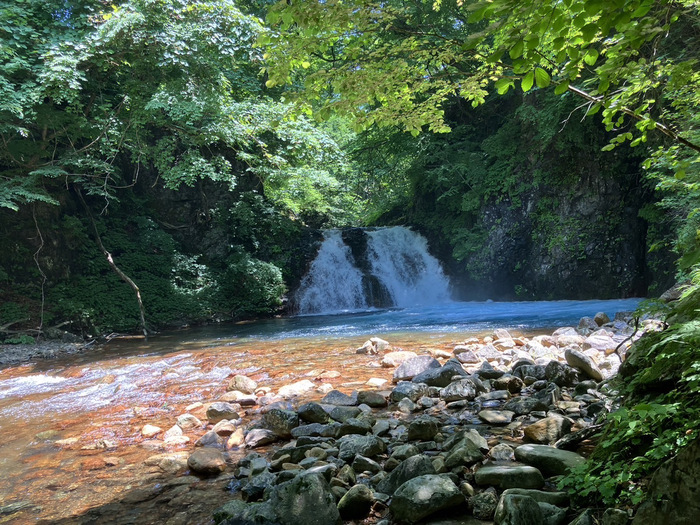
[70,437]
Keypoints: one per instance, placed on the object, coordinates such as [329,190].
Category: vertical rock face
[674,493]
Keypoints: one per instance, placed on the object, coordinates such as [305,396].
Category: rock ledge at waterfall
[458,440]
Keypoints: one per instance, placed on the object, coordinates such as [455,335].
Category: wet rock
[354,426]
[442,376]
[221,410]
[402,452]
[408,469]
[559,499]
[502,452]
[296,389]
[208,461]
[371,399]
[424,496]
[550,461]
[487,371]
[394,359]
[587,324]
[465,448]
[465,355]
[601,318]
[224,428]
[356,503]
[259,437]
[458,390]
[234,396]
[242,384]
[548,430]
[524,405]
[514,509]
[423,428]
[560,374]
[510,383]
[584,363]
[406,389]
[281,422]
[316,430]
[338,398]
[484,504]
[412,367]
[343,413]
[510,476]
[354,444]
[585,518]
[236,439]
[496,417]
[256,486]
[210,439]
[376,382]
[313,413]
[536,371]
[363,464]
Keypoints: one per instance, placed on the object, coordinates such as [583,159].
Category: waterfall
[333,283]
[400,260]
[361,268]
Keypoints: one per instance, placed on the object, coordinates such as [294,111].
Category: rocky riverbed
[477,434]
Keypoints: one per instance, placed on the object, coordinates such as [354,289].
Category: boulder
[496,417]
[524,405]
[424,496]
[484,504]
[338,398]
[584,363]
[356,503]
[560,374]
[371,399]
[313,413]
[515,509]
[412,367]
[221,410]
[559,499]
[409,468]
[423,428]
[458,390]
[354,444]
[394,359]
[307,498]
[281,422]
[510,476]
[296,389]
[442,376]
[208,461]
[551,461]
[242,384]
[601,318]
[406,389]
[548,430]
[259,437]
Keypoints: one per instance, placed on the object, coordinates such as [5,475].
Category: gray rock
[560,499]
[208,461]
[496,417]
[305,499]
[536,371]
[258,437]
[242,384]
[242,513]
[343,413]
[424,496]
[356,503]
[281,422]
[210,439]
[548,430]
[423,428]
[508,382]
[442,376]
[487,371]
[464,452]
[363,464]
[510,476]
[584,363]
[353,444]
[256,486]
[514,509]
[406,389]
[412,367]
[408,469]
[458,390]
[221,410]
[586,325]
[550,461]
[354,426]
[524,405]
[484,504]
[316,430]
[465,355]
[371,399]
[502,452]
[402,452]
[313,413]
[336,397]
[551,514]
[585,518]
[601,318]
[561,374]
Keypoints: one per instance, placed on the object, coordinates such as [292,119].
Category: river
[71,449]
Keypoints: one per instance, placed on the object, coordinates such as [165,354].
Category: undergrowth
[659,415]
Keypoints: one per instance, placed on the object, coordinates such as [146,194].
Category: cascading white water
[392,268]
[333,283]
[399,258]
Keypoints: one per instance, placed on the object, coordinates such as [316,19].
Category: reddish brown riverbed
[71,449]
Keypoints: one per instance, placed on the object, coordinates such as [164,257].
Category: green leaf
[589,31]
[591,56]
[542,78]
[561,88]
[517,49]
[526,83]
[503,85]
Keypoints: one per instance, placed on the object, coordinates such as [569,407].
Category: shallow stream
[70,429]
